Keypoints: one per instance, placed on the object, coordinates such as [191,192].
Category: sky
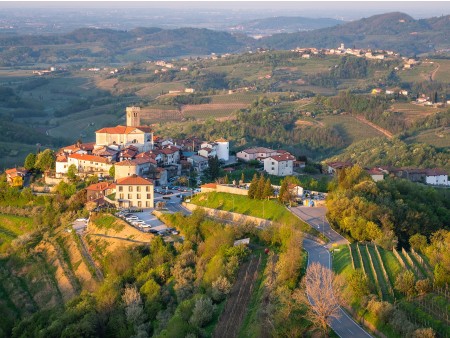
[345,9]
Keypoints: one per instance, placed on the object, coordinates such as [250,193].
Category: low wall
[228,216]
[230,189]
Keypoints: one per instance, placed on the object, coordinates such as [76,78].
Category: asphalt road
[344,326]
[315,216]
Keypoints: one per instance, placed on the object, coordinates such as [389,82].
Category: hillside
[392,31]
[101,45]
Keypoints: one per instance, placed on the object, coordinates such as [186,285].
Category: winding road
[344,326]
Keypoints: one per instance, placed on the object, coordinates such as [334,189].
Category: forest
[388,212]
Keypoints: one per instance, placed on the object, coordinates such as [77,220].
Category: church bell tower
[133,116]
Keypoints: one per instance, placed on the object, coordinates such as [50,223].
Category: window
[121,196]
[147,188]
[149,196]
[147,204]
[130,188]
[120,188]
[139,204]
[138,188]
[138,196]
[130,196]
[273,163]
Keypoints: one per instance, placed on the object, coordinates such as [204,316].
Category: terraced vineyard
[37,273]
[382,267]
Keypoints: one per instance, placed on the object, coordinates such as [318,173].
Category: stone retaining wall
[228,216]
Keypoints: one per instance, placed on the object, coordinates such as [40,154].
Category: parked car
[145,225]
[131,218]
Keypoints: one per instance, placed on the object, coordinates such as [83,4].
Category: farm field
[443,72]
[350,128]
[238,300]
[437,137]
[412,112]
[418,73]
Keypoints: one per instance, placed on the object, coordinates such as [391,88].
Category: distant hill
[286,24]
[89,44]
[393,31]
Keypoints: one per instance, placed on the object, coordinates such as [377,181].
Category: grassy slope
[271,210]
[11,227]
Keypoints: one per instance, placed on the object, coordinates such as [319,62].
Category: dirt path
[87,255]
[121,238]
[433,73]
[385,132]
[232,316]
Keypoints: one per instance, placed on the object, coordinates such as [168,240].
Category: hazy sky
[344,9]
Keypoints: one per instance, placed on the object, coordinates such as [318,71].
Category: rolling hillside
[393,31]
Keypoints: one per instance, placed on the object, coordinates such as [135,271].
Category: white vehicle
[136,222]
[145,225]
[131,218]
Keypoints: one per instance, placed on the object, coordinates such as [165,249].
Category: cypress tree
[283,191]
[268,190]
[253,187]
[260,189]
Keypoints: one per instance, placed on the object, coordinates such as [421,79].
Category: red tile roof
[92,158]
[435,172]
[13,172]
[99,186]
[124,129]
[282,158]
[133,180]
[61,158]
[136,161]
[374,171]
[168,151]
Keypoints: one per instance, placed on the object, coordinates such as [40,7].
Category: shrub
[203,312]
[423,286]
[221,287]
[424,333]
[382,310]
[401,324]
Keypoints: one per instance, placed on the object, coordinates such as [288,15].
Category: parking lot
[150,223]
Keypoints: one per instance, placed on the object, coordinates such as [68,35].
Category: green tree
[112,171]
[242,178]
[203,312]
[30,161]
[418,242]
[284,191]
[72,172]
[260,188]
[268,189]
[226,180]
[253,187]
[359,283]
[213,170]
[405,283]
[45,160]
